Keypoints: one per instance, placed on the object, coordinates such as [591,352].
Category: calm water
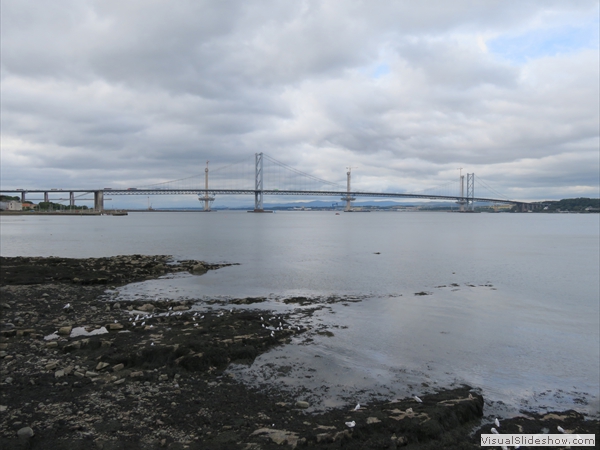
[522,324]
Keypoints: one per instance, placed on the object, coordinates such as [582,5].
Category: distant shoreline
[50,213]
[110,212]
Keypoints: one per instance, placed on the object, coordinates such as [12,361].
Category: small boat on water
[119,213]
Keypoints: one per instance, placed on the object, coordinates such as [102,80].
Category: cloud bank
[112,93]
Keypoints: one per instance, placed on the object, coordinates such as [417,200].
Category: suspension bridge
[263,175]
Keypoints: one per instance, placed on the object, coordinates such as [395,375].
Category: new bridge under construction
[267,176]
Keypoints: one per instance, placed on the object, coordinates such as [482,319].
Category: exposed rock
[65,331]
[102,365]
[302,404]
[25,433]
[399,440]
[73,346]
[341,435]
[82,331]
[148,307]
[323,437]
[93,271]
[199,269]
[278,436]
[181,308]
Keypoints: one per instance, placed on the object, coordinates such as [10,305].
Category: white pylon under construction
[348,198]
[207,198]
[461,180]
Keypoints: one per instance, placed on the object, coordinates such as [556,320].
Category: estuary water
[507,303]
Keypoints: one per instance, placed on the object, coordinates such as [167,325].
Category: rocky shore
[79,371]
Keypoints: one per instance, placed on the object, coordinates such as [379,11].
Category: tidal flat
[81,371]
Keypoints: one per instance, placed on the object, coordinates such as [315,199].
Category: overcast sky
[127,93]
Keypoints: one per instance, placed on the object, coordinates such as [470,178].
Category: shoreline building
[11,205]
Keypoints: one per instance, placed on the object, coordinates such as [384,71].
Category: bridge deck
[253,192]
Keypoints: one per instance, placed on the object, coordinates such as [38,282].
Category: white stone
[25,432]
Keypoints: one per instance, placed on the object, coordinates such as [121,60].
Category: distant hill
[572,204]
[341,204]
[321,204]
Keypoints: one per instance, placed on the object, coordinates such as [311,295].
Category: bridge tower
[258,182]
[207,198]
[461,200]
[471,191]
[348,198]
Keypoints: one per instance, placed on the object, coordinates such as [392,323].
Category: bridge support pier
[71,199]
[46,199]
[99,201]
[23,197]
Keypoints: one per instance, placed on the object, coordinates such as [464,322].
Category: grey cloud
[448,64]
[149,90]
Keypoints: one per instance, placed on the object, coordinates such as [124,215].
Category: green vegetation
[51,206]
[8,198]
[572,204]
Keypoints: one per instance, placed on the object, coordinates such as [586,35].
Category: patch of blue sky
[375,71]
[380,70]
[544,42]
